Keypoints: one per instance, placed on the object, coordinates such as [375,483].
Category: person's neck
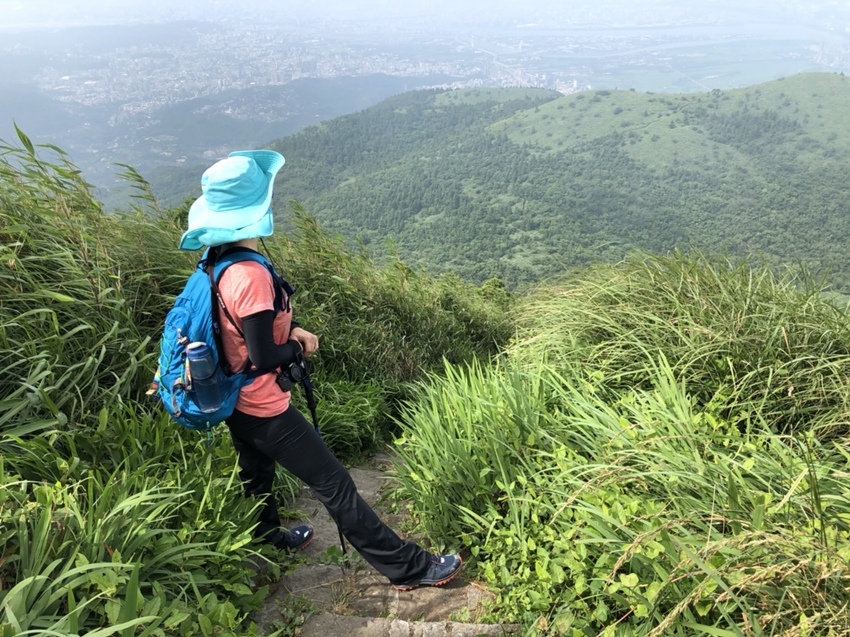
[253,244]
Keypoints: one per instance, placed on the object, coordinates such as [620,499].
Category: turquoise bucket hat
[236,200]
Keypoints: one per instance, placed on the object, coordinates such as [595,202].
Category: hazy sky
[17,13]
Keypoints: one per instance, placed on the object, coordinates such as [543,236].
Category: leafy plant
[606,478]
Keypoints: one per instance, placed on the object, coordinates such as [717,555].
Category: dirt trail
[357,601]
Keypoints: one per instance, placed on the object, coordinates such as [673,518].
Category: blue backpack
[195,317]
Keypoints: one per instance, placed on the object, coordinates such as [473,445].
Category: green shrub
[660,451]
[385,323]
[161,529]
[642,515]
[738,335]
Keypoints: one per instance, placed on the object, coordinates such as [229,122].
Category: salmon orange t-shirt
[247,288]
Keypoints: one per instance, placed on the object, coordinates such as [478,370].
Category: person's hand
[308,342]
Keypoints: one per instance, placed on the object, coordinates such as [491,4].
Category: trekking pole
[311,405]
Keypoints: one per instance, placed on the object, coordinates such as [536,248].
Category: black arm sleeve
[259,338]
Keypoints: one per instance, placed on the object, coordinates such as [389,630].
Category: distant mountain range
[191,132]
[203,130]
[523,184]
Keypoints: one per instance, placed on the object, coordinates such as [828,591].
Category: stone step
[357,600]
[330,625]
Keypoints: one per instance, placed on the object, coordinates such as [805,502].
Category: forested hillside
[523,184]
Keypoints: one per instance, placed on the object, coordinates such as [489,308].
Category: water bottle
[203,369]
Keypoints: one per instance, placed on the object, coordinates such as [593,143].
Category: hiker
[234,211]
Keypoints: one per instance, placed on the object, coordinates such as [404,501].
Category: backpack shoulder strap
[282,289]
[216,268]
[224,261]
[215,265]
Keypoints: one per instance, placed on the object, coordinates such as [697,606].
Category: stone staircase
[354,600]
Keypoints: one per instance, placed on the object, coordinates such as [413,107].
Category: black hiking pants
[290,440]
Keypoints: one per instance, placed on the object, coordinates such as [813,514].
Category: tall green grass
[113,520]
[388,321]
[380,328]
[736,332]
[635,464]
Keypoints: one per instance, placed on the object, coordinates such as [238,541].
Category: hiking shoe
[442,570]
[295,539]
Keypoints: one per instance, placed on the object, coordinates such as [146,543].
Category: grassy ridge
[523,185]
[662,451]
[113,520]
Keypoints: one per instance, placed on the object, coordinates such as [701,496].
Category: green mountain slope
[523,184]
